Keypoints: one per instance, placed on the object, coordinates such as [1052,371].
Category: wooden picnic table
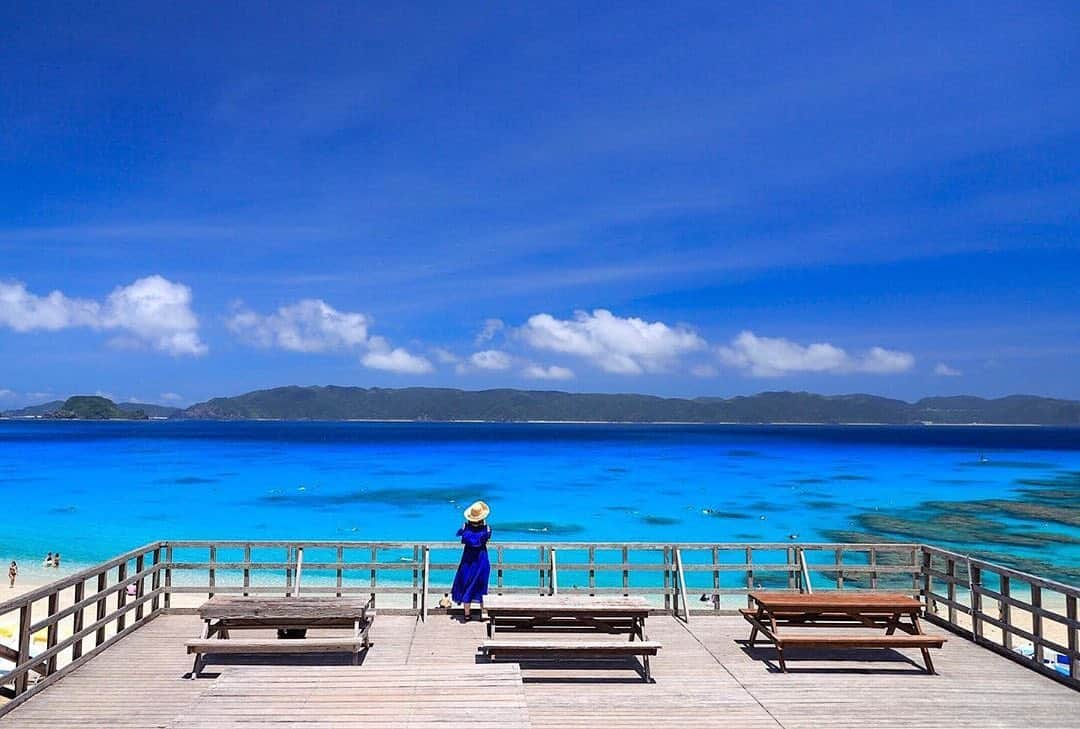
[568,614]
[223,614]
[890,611]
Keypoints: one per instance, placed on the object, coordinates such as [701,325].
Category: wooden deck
[704,677]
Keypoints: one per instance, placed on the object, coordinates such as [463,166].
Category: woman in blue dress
[471,580]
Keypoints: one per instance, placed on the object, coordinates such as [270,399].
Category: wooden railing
[988,603]
[672,575]
[999,607]
[131,583]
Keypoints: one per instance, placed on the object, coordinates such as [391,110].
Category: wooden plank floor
[378,697]
[703,677]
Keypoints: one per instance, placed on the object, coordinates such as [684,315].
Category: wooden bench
[566,615]
[345,644]
[571,649]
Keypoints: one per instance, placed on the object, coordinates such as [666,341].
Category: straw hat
[477,512]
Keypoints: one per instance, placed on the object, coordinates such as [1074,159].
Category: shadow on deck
[705,676]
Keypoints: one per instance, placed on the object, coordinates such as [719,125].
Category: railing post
[1037,622]
[541,572]
[168,575]
[1074,649]
[716,579]
[592,571]
[499,567]
[1006,613]
[667,580]
[873,563]
[415,576]
[682,586]
[626,571]
[121,596]
[140,565]
[213,571]
[52,632]
[553,571]
[749,575]
[77,619]
[374,572]
[424,592]
[155,580]
[950,570]
[288,571]
[927,579]
[102,606]
[22,682]
[341,574]
[299,571]
[974,583]
[247,569]
[791,572]
[838,559]
[804,572]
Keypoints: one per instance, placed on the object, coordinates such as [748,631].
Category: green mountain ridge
[444,404]
[332,402]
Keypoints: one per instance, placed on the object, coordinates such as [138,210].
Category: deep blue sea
[91,490]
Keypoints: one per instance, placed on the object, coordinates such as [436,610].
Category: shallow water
[91,490]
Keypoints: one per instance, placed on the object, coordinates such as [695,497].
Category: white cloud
[24,312]
[171,397]
[704,370]
[4,392]
[309,325]
[627,346]
[553,372]
[491,359]
[157,311]
[445,355]
[491,328]
[943,370]
[774,357]
[151,310]
[396,360]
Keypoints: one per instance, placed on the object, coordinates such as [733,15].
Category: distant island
[92,407]
[508,405]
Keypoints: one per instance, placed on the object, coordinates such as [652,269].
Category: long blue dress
[471,580]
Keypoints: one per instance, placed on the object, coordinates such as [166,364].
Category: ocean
[93,489]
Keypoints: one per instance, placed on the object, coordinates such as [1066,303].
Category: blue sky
[682,199]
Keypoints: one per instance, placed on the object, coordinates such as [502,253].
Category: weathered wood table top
[854,602]
[618,605]
[283,608]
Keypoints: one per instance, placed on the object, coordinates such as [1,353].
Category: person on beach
[12,573]
[56,561]
[49,560]
[471,580]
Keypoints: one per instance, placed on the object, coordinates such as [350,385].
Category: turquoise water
[91,490]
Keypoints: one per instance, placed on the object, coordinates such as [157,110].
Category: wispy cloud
[550,372]
[490,329]
[489,359]
[775,357]
[151,311]
[943,370]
